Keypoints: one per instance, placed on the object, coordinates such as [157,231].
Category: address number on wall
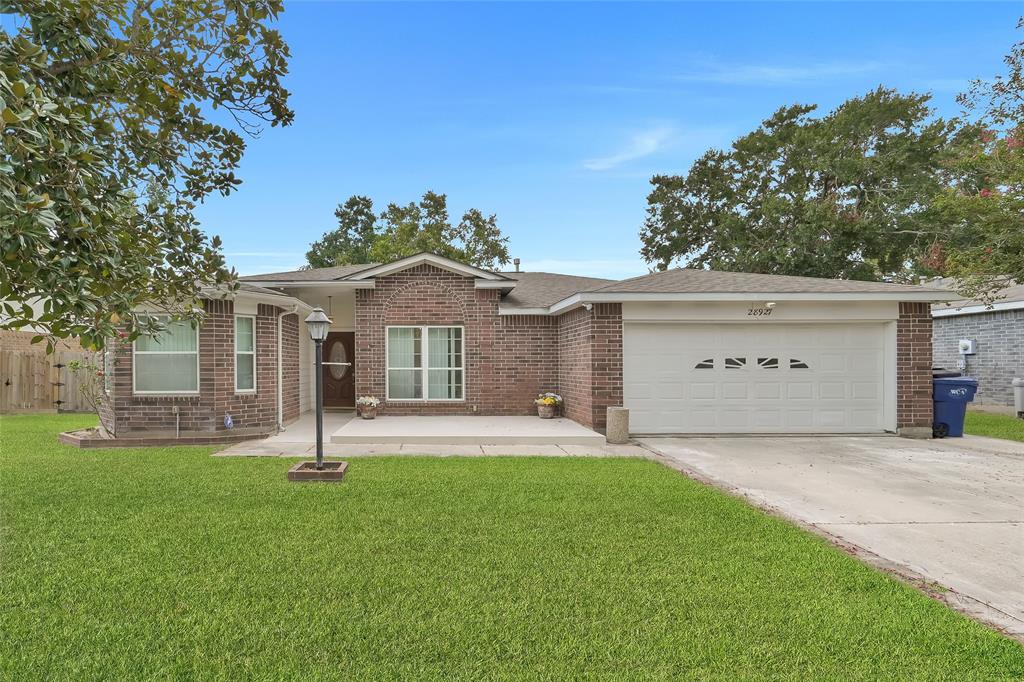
[759,312]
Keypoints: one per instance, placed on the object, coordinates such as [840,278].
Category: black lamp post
[318,324]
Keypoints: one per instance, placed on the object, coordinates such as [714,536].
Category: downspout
[280,365]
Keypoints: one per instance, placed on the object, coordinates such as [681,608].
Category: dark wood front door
[339,380]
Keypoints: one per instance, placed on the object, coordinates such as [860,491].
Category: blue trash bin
[950,396]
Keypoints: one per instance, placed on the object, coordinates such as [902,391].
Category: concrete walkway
[949,511]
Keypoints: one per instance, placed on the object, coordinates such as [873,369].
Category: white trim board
[975,309]
[577,300]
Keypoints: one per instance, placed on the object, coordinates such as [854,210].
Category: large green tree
[117,118]
[841,195]
[351,241]
[404,230]
[981,212]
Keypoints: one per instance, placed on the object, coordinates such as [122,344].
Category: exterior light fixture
[318,324]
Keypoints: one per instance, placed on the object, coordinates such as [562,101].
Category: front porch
[346,436]
[467,430]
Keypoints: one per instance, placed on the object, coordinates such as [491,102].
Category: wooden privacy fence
[32,381]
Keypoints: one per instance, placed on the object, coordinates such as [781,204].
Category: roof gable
[430,259]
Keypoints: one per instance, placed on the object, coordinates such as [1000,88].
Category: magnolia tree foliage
[117,118]
[841,195]
[399,231]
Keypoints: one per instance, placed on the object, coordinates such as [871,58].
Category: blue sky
[555,116]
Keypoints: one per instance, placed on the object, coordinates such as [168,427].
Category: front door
[339,380]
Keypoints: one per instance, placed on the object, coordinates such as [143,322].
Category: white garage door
[754,378]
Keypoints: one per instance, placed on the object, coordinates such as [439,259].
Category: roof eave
[275,299]
[582,298]
[295,284]
[977,308]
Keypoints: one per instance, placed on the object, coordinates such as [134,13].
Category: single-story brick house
[997,331]
[688,351]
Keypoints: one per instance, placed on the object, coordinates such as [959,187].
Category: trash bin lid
[956,381]
[943,372]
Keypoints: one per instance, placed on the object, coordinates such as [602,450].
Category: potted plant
[547,405]
[367,406]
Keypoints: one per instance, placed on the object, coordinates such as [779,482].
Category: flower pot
[367,412]
[546,411]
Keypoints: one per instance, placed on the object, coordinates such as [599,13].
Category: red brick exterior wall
[914,366]
[127,412]
[605,361]
[590,362]
[507,360]
[574,365]
[290,330]
[525,362]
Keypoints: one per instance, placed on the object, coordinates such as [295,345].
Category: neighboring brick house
[688,351]
[997,331]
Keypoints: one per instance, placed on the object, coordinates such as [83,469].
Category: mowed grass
[167,563]
[994,425]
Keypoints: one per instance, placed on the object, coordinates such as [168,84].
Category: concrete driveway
[950,511]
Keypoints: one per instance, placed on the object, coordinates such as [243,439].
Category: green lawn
[167,563]
[994,425]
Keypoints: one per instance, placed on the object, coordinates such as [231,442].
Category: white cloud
[774,74]
[641,144]
[613,268]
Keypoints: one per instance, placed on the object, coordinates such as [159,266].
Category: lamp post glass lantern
[318,324]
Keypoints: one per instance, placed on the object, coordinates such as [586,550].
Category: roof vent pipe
[515,261]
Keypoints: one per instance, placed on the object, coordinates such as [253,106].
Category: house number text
[759,312]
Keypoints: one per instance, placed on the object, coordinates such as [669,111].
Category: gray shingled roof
[312,274]
[541,289]
[1011,294]
[693,281]
[252,288]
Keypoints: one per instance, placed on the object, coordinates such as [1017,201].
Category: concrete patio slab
[467,430]
[947,510]
[260,448]
[303,430]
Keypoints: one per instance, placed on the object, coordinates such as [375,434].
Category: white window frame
[425,369]
[136,352]
[234,360]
